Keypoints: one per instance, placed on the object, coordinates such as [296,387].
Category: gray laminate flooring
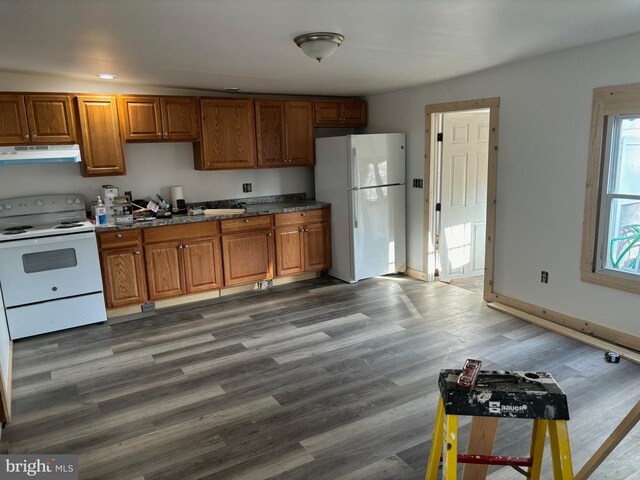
[315,380]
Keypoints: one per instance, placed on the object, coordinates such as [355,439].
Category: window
[611,237]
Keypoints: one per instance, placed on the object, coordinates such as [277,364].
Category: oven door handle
[30,242]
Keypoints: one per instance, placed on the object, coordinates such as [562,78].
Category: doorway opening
[461,168]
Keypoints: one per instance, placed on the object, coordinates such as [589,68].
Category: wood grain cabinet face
[228,135]
[36,119]
[123,270]
[284,133]
[289,251]
[158,119]
[140,118]
[340,113]
[247,257]
[164,270]
[102,152]
[202,265]
[317,247]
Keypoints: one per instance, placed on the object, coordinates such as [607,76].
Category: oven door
[49,268]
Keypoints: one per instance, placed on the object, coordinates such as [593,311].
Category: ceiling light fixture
[107,76]
[319,45]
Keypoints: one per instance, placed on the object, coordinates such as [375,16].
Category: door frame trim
[493,104]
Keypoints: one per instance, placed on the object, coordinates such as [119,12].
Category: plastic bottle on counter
[101,212]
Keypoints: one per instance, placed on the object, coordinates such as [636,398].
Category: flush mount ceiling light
[319,45]
[107,76]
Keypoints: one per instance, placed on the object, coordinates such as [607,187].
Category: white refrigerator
[363,176]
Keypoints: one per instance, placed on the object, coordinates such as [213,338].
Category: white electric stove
[49,266]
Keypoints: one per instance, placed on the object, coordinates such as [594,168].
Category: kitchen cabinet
[247,250]
[123,271]
[182,259]
[36,119]
[228,135]
[340,113]
[152,119]
[302,241]
[284,133]
[101,145]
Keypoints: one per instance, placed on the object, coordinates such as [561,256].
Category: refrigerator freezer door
[377,160]
[378,221]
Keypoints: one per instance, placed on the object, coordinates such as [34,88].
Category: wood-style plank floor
[316,380]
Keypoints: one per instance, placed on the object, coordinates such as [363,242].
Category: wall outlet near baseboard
[544,276]
[264,284]
[246,187]
[418,183]
[148,307]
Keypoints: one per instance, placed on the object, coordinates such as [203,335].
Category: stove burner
[22,228]
[69,225]
[13,231]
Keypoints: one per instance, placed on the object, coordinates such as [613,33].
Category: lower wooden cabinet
[303,242]
[181,263]
[123,270]
[248,257]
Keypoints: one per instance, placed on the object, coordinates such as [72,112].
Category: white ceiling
[212,44]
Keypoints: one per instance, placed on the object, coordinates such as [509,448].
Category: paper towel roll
[177,193]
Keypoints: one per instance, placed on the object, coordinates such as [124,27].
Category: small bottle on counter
[101,212]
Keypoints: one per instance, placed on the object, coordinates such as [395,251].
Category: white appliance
[49,266]
[363,176]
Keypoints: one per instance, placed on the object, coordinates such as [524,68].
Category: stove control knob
[77,201]
[39,203]
[8,206]
[69,201]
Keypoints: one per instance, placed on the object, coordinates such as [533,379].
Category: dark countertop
[251,211]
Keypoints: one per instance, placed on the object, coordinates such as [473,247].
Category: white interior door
[463,194]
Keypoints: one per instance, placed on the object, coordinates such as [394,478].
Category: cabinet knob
[159,134]
[246,220]
[26,136]
[136,253]
[185,246]
[208,164]
[119,235]
[303,214]
[166,135]
[180,247]
[34,134]
[270,234]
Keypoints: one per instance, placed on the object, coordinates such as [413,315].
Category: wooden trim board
[631,355]
[418,275]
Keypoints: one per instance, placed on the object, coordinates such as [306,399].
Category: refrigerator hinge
[440,137]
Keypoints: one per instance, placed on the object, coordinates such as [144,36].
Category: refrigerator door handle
[354,165]
[355,205]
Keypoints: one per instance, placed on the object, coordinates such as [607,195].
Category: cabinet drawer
[119,239]
[181,232]
[299,218]
[245,224]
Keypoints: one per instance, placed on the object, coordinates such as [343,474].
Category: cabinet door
[180,119]
[164,270]
[102,152]
[50,119]
[299,128]
[354,114]
[228,135]
[270,129]
[327,113]
[202,265]
[248,257]
[317,246]
[13,120]
[124,280]
[140,118]
[289,251]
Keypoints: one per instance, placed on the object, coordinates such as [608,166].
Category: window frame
[608,102]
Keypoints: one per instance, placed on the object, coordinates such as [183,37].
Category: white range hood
[39,154]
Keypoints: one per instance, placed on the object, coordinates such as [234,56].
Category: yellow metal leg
[436,444]
[560,450]
[450,448]
[537,448]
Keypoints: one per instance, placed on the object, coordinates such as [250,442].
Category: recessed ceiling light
[231,89]
[107,76]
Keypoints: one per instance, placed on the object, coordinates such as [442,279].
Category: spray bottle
[101,212]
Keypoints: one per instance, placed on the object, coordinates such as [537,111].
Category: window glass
[49,260]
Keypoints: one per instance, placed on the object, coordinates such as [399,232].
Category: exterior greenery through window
[611,233]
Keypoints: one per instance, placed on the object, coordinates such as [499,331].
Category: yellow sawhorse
[454,402]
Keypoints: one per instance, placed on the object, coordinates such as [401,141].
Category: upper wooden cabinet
[228,135]
[340,113]
[284,133]
[102,152]
[154,119]
[36,119]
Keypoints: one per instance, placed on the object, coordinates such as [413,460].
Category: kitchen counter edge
[251,211]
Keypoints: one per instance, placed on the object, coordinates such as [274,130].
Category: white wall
[151,167]
[545,114]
